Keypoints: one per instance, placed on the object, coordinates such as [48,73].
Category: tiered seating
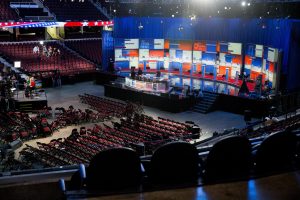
[74,10]
[31,12]
[16,125]
[82,145]
[89,48]
[6,13]
[103,105]
[65,61]
[291,123]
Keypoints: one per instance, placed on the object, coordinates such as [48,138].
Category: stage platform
[28,104]
[235,84]
[165,103]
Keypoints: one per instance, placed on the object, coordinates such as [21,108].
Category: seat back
[175,162]
[276,152]
[228,159]
[115,168]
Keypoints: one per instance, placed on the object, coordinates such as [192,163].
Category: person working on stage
[132,73]
[140,72]
[158,74]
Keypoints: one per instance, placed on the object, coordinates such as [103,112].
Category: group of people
[46,51]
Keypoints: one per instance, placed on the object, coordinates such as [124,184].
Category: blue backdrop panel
[122,64]
[209,56]
[257,62]
[269,32]
[209,69]
[228,58]
[107,48]
[224,47]
[250,50]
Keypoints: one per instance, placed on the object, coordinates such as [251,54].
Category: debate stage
[229,101]
[165,103]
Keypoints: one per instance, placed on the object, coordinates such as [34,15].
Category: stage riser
[162,103]
[29,106]
[238,105]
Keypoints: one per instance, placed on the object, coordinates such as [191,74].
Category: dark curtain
[107,48]
[293,75]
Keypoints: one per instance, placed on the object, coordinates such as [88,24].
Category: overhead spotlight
[243,3]
[218,12]
[115,10]
[173,15]
[249,4]
[229,8]
[225,7]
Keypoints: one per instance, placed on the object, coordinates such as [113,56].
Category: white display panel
[144,54]
[272,54]
[17,64]
[153,65]
[187,56]
[166,62]
[259,51]
[134,62]
[159,43]
[172,54]
[222,59]
[235,48]
[119,55]
[197,57]
[131,43]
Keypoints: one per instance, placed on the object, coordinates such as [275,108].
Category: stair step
[202,106]
[200,111]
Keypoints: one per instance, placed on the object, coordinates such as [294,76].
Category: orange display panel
[133,53]
[248,60]
[254,75]
[200,46]
[185,45]
[156,53]
[222,70]
[271,67]
[237,59]
[218,48]
[186,66]
[167,44]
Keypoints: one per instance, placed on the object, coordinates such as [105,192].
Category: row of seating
[74,10]
[89,48]
[6,13]
[16,125]
[271,126]
[106,106]
[178,163]
[99,138]
[67,62]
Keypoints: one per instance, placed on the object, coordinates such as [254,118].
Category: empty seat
[174,163]
[276,152]
[116,168]
[229,158]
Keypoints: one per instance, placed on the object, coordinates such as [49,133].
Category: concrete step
[203,111]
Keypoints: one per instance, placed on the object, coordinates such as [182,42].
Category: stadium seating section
[6,13]
[89,48]
[74,10]
[66,61]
